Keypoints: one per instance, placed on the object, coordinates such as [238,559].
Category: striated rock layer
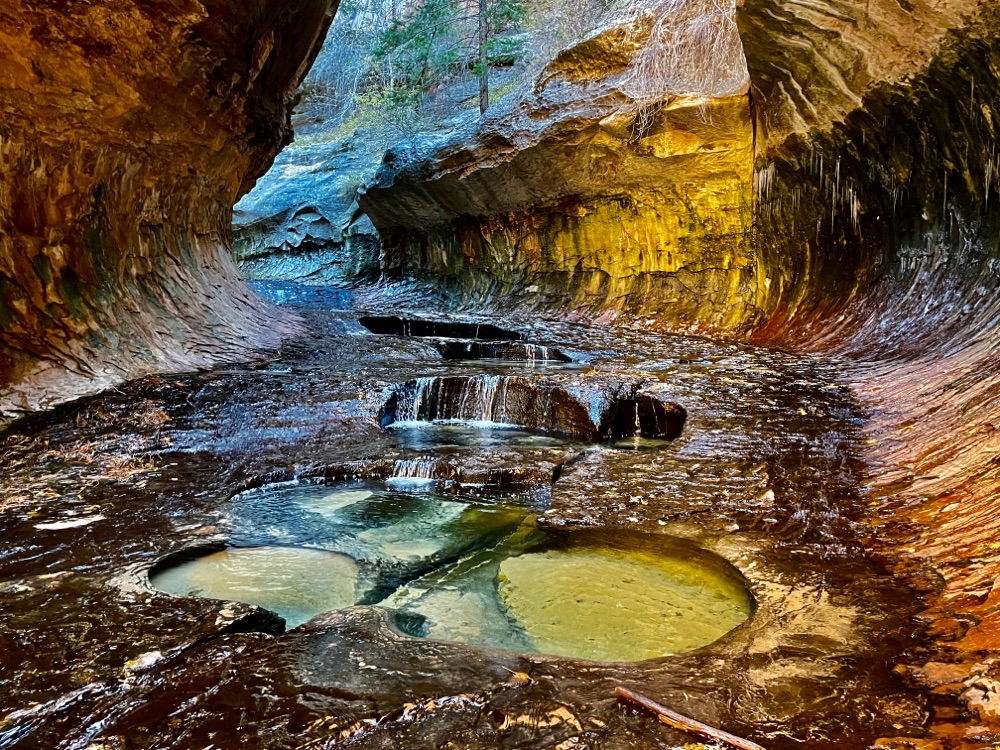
[877,222]
[129,129]
[873,233]
[589,195]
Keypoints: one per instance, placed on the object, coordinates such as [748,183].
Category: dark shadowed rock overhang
[129,130]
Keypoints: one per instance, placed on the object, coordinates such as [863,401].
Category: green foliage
[390,106]
[437,41]
[417,47]
[507,15]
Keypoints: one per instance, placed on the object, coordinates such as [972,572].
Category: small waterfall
[490,401]
[415,474]
[415,401]
[416,468]
[482,398]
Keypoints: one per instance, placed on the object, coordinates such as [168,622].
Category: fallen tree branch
[678,721]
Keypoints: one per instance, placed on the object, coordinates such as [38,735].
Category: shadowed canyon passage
[838,200]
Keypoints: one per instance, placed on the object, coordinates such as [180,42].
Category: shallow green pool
[467,569]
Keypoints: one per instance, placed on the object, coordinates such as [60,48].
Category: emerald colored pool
[470,569]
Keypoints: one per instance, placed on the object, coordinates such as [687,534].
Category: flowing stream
[483,583]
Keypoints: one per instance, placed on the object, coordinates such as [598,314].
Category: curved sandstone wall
[590,195]
[877,222]
[129,129]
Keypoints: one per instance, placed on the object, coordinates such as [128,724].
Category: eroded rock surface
[765,475]
[301,222]
[129,130]
[587,196]
[877,222]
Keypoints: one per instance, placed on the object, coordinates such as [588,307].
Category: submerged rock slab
[297,584]
[611,605]
[129,130]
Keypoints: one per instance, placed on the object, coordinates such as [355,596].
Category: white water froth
[481,400]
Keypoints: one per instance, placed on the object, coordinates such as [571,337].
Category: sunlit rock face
[877,222]
[596,194]
[129,129]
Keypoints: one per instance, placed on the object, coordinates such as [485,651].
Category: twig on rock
[679,721]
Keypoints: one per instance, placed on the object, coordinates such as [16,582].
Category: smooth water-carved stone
[587,197]
[129,130]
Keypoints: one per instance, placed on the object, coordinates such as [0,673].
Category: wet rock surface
[598,408]
[765,474]
[129,132]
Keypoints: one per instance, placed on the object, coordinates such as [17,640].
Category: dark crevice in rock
[388,325]
[509,350]
[643,415]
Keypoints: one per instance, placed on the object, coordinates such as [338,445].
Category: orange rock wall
[129,129]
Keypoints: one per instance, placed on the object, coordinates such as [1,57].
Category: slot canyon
[350,418]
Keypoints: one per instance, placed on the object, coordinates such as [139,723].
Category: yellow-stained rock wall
[589,196]
[672,250]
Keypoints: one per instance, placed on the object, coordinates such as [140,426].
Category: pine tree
[436,40]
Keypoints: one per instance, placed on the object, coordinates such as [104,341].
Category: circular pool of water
[473,570]
[295,583]
[581,595]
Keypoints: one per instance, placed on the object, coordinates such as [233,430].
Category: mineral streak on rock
[129,129]
[585,195]
[877,225]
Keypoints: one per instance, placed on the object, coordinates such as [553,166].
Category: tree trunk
[484,63]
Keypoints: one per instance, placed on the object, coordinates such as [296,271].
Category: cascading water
[531,403]
[481,398]
[417,468]
[416,473]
